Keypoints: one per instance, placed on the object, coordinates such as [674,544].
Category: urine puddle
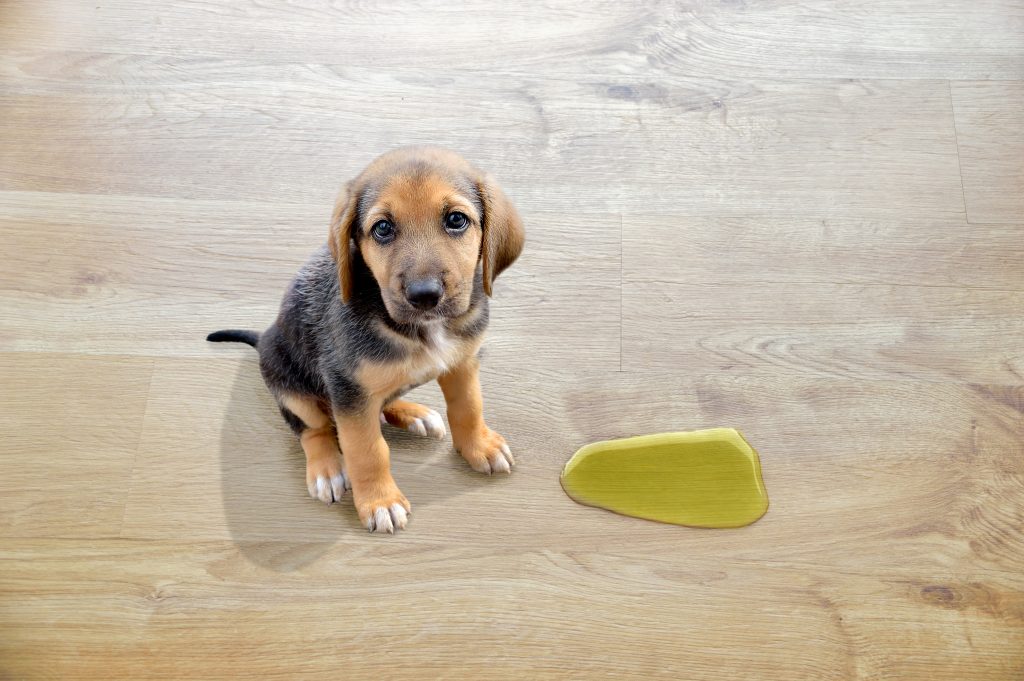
[705,478]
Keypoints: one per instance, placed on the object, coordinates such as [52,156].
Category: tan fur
[306,408]
[480,446]
[418,206]
[417,199]
[466,320]
[369,464]
[319,442]
[383,380]
[323,459]
[342,225]
[504,235]
[401,413]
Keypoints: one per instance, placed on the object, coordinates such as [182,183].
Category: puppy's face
[420,235]
[422,219]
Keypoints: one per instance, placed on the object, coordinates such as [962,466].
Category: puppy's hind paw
[414,418]
[429,425]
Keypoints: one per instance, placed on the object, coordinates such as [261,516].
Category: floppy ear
[503,231]
[340,238]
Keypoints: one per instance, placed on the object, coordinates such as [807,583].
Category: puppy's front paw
[384,509]
[487,452]
[415,418]
[326,479]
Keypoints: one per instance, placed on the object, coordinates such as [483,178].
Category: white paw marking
[500,465]
[430,425]
[387,519]
[329,490]
[500,461]
[481,466]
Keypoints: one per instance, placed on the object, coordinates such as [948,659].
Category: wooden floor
[803,219]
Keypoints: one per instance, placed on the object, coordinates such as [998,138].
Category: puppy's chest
[436,352]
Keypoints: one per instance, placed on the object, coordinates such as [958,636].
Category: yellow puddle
[707,478]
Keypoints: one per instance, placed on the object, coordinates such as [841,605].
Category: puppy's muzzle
[424,294]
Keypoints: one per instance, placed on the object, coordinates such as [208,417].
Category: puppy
[398,297]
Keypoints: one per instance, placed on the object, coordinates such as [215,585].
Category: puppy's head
[422,219]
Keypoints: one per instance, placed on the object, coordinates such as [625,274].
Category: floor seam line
[956,141]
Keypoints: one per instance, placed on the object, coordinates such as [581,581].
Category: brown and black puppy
[398,297]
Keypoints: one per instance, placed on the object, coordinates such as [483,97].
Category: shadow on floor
[268,511]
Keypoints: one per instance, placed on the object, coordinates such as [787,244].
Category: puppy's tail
[234,336]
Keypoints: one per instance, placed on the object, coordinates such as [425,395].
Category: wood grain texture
[671,142]
[861,298]
[909,251]
[990,135]
[125,272]
[69,426]
[828,329]
[183,607]
[829,450]
[799,219]
[821,38]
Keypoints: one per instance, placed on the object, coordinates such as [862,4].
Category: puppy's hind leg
[325,472]
[415,418]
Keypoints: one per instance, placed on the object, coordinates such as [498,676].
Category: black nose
[424,294]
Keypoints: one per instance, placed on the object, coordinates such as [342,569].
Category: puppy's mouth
[402,312]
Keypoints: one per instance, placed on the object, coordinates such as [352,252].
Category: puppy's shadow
[268,511]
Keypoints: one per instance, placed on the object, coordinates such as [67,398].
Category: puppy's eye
[456,222]
[383,231]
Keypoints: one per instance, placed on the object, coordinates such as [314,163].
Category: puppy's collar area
[426,332]
[433,333]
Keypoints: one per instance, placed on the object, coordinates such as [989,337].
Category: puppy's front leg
[484,450]
[381,505]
